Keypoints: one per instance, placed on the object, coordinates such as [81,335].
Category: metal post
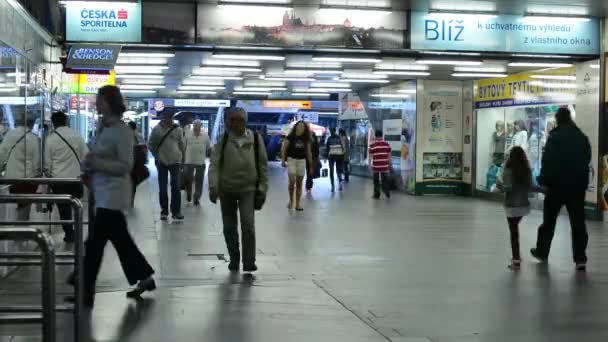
[48,278]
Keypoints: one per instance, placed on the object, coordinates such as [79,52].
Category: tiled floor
[412,269]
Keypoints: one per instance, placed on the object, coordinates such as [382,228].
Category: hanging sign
[93,21]
[287,104]
[504,33]
[92,57]
[200,103]
[90,83]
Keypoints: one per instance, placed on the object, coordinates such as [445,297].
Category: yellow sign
[90,83]
[287,104]
[536,87]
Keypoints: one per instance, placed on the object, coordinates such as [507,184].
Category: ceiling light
[252,93]
[555,77]
[311,94]
[445,53]
[229,63]
[398,96]
[594,66]
[400,67]
[130,91]
[402,72]
[347,59]
[262,89]
[539,65]
[141,81]
[478,74]
[245,56]
[293,79]
[191,87]
[407,91]
[361,80]
[452,14]
[363,75]
[142,86]
[140,68]
[147,54]
[217,77]
[203,82]
[329,85]
[7,90]
[447,62]
[480,69]
[229,68]
[538,56]
[329,90]
[552,19]
[314,71]
[554,85]
[207,92]
[139,76]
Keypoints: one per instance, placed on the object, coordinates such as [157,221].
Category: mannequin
[520,138]
[498,143]
[509,136]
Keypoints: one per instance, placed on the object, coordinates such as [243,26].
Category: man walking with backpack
[167,146]
[238,176]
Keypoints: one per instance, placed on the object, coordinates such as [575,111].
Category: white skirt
[517,212]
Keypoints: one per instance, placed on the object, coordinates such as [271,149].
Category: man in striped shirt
[380,156]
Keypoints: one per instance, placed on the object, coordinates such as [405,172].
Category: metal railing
[31,259]
[47,256]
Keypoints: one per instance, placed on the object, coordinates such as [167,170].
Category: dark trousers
[235,206]
[111,225]
[381,183]
[338,163]
[514,233]
[309,181]
[65,210]
[195,176]
[575,204]
[346,170]
[164,171]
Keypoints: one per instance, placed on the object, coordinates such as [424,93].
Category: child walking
[516,183]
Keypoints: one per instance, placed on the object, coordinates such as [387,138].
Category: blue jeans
[163,178]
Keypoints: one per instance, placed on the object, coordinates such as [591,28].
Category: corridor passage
[348,268]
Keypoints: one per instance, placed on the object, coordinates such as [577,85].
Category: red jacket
[380,155]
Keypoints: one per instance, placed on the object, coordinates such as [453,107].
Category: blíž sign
[103,21]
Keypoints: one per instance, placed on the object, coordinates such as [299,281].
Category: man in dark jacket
[565,175]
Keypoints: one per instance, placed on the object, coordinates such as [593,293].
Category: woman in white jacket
[20,157]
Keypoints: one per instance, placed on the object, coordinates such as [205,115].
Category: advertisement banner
[504,33]
[168,23]
[200,103]
[351,107]
[287,104]
[300,26]
[93,21]
[312,117]
[92,57]
[90,83]
[528,88]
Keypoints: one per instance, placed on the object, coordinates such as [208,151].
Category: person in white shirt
[521,135]
[20,156]
[63,152]
[197,148]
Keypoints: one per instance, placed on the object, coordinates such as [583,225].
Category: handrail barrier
[47,256]
[29,259]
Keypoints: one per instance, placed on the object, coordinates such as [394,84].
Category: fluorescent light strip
[554,77]
[140,76]
[132,91]
[207,92]
[329,85]
[7,90]
[252,93]
[538,56]
[246,57]
[400,67]
[208,83]
[447,62]
[292,79]
[479,74]
[210,77]
[539,65]
[231,68]
[449,14]
[402,73]
[147,54]
[442,53]
[363,80]
[364,75]
[347,59]
[407,91]
[125,61]
[142,81]
[594,66]
[398,96]
[228,63]
[261,89]
[190,87]
[331,90]
[480,69]
[141,86]
[311,94]
[313,71]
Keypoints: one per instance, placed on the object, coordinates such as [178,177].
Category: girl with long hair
[516,183]
[297,157]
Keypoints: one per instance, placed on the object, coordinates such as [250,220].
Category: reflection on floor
[347,269]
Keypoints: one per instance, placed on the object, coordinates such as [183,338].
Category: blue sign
[103,21]
[504,33]
[92,57]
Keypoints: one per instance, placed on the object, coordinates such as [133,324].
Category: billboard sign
[92,57]
[93,21]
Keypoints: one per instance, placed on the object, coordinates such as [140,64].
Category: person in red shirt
[380,156]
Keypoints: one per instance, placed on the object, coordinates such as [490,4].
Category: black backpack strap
[15,145]
[70,146]
[162,140]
